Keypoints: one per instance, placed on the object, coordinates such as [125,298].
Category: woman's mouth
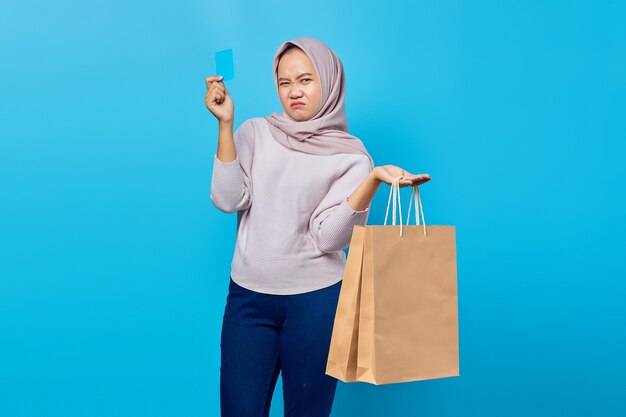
[297,105]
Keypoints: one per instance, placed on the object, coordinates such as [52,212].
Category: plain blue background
[114,264]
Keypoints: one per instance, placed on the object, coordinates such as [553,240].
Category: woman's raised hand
[387,173]
[217,99]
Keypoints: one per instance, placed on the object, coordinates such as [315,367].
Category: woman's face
[298,83]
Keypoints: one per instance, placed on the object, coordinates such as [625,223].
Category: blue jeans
[263,334]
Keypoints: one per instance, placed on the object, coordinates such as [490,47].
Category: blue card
[224,64]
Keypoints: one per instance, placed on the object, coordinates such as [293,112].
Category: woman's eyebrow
[301,75]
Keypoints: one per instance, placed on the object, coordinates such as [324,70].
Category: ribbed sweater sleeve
[231,184]
[332,221]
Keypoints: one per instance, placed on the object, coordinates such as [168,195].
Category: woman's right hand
[217,99]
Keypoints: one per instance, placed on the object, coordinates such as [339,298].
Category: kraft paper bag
[342,354]
[400,303]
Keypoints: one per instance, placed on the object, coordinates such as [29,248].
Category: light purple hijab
[326,133]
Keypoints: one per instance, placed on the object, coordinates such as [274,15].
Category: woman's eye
[287,83]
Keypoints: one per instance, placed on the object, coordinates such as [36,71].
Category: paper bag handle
[394,193]
[415,195]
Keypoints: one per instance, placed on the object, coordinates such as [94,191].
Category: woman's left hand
[387,173]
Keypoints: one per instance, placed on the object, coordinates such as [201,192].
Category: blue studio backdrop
[114,264]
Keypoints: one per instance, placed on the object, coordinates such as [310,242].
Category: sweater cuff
[345,206]
[336,229]
[229,191]
[226,163]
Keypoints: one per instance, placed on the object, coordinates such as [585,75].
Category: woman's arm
[332,222]
[226,151]
[231,185]
[361,198]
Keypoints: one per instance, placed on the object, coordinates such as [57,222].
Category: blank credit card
[224,64]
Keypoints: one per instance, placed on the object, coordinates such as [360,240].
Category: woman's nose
[295,93]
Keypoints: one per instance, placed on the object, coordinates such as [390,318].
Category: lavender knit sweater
[293,216]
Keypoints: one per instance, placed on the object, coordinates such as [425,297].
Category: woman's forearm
[226,151]
[361,198]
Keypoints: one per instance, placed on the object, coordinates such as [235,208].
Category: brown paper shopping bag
[342,354]
[405,317]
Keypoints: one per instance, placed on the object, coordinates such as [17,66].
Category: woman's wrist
[225,125]
[373,177]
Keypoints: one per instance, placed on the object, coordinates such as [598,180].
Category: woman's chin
[297,115]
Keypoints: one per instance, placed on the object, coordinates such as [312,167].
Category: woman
[299,182]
